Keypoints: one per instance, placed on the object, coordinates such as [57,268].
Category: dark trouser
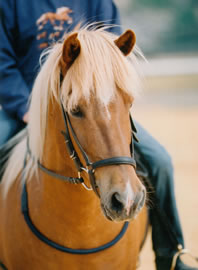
[160,170]
[8,126]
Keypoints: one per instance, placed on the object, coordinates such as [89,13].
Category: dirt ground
[172,118]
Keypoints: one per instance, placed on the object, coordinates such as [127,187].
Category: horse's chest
[29,253]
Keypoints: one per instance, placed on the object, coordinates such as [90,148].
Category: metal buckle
[83,183]
[86,187]
[85,169]
[72,156]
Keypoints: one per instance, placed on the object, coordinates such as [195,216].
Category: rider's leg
[160,169]
[8,126]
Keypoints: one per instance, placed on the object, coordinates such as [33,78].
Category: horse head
[98,111]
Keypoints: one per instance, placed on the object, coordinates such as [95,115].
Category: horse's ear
[71,50]
[126,42]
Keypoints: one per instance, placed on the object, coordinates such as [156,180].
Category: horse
[70,197]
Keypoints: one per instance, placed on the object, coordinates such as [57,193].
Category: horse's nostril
[116,204]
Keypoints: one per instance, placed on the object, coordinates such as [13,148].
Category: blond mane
[99,69]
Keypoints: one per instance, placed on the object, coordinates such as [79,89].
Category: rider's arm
[109,14]
[14,92]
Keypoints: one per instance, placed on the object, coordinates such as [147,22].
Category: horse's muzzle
[122,207]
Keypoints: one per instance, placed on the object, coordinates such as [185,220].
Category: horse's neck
[66,212]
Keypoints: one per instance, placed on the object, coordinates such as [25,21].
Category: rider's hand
[26,117]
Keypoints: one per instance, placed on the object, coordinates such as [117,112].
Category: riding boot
[181,266]
[164,263]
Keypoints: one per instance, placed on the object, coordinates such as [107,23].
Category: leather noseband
[92,166]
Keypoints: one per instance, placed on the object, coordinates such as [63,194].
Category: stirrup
[180,252]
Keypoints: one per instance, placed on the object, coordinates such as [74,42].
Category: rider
[28,27]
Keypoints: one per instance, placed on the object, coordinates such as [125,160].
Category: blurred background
[162,26]
[167,33]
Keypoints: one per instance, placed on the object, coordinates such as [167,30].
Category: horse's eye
[77,112]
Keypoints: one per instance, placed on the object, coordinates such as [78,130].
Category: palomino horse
[80,132]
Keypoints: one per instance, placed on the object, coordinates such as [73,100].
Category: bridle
[90,166]
[89,169]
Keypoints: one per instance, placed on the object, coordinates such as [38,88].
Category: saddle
[6,149]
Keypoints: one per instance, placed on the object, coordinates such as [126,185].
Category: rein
[89,169]
[46,240]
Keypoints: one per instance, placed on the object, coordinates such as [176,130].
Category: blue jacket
[29,26]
